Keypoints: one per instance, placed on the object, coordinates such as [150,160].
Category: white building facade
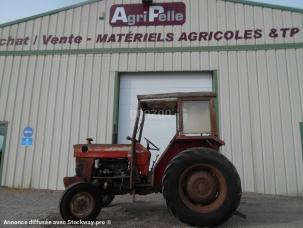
[75,72]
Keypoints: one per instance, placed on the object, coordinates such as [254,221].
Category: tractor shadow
[151,211]
[141,213]
[269,211]
[261,210]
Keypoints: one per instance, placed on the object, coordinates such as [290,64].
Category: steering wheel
[149,142]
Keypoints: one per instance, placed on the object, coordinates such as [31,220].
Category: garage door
[159,129]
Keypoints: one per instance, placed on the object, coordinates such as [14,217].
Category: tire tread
[195,154]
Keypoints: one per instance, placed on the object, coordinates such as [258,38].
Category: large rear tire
[81,201]
[201,187]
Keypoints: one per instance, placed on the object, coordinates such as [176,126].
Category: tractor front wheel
[201,187]
[81,201]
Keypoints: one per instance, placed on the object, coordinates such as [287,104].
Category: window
[196,117]
[1,143]
[1,148]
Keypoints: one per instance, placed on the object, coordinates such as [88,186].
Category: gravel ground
[147,211]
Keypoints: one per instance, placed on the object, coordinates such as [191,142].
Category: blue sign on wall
[27,141]
[28,132]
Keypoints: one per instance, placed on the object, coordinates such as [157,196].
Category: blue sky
[16,9]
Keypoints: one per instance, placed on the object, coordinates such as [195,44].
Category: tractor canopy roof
[167,103]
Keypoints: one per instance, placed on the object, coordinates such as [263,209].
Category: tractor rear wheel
[80,201]
[201,187]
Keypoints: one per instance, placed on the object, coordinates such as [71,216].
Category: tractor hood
[102,150]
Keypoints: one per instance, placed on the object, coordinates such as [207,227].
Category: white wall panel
[296,111]
[13,33]
[236,143]
[37,24]
[65,143]
[17,115]
[141,61]
[43,32]
[286,123]
[245,136]
[275,123]
[27,113]
[266,134]
[212,20]
[20,33]
[53,22]
[299,61]
[94,114]
[49,121]
[13,134]
[32,155]
[240,21]
[103,98]
[57,136]
[230,21]
[42,130]
[225,103]
[255,122]
[268,18]
[259,23]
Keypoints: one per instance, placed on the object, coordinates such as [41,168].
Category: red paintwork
[71,180]
[103,151]
[143,159]
[177,145]
[116,151]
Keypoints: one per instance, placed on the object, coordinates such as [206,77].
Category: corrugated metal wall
[202,15]
[66,98]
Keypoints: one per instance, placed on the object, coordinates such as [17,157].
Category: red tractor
[201,187]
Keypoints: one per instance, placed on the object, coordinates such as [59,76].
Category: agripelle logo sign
[148,15]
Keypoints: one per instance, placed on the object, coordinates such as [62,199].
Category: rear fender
[177,145]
